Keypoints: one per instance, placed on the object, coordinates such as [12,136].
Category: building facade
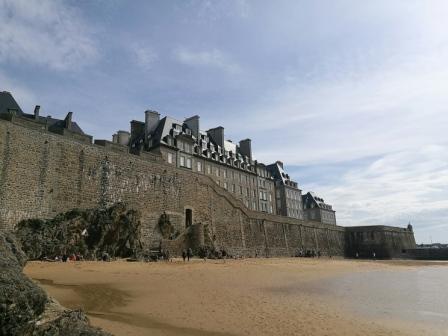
[184,145]
[51,167]
[315,209]
[288,196]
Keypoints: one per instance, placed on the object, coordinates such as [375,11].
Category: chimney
[217,135]
[193,124]
[36,112]
[151,121]
[68,121]
[137,129]
[246,148]
[123,138]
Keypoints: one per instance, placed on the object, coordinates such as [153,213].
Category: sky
[351,95]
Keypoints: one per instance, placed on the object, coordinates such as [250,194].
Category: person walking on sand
[374,255]
[184,254]
[189,253]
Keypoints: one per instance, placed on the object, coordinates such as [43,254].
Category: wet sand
[238,297]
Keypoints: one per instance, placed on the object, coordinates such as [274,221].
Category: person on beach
[189,253]
[167,255]
[373,254]
[184,255]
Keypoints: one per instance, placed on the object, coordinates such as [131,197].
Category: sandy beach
[236,297]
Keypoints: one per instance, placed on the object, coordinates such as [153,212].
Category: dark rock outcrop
[21,301]
[90,233]
[25,308]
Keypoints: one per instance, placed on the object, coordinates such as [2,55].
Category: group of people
[308,253]
[187,254]
[64,257]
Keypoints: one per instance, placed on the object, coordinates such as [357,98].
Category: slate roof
[7,102]
[319,201]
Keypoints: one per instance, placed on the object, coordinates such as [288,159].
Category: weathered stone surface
[21,301]
[25,308]
[44,174]
[90,233]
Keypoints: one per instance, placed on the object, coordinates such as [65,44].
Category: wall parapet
[43,173]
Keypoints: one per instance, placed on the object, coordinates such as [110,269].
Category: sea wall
[426,253]
[43,174]
[385,241]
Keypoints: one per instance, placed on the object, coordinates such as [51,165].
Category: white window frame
[170,157]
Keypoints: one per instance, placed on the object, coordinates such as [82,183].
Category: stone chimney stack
[193,124]
[36,112]
[68,121]
[246,148]
[137,130]
[123,138]
[151,121]
[217,134]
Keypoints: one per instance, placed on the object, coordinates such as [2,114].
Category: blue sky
[351,95]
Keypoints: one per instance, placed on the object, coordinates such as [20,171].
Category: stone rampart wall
[43,174]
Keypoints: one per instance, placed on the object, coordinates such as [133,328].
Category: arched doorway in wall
[188,217]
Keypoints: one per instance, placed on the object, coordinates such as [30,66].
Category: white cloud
[207,58]
[398,106]
[24,96]
[45,33]
[144,56]
[399,187]
[215,10]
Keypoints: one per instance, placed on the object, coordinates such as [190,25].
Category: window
[180,145]
[225,173]
[187,148]
[182,161]
[170,157]
[199,166]
[241,190]
[217,171]
[189,163]
[233,188]
[209,169]
[225,185]
[188,217]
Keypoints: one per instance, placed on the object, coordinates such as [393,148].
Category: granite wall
[43,174]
